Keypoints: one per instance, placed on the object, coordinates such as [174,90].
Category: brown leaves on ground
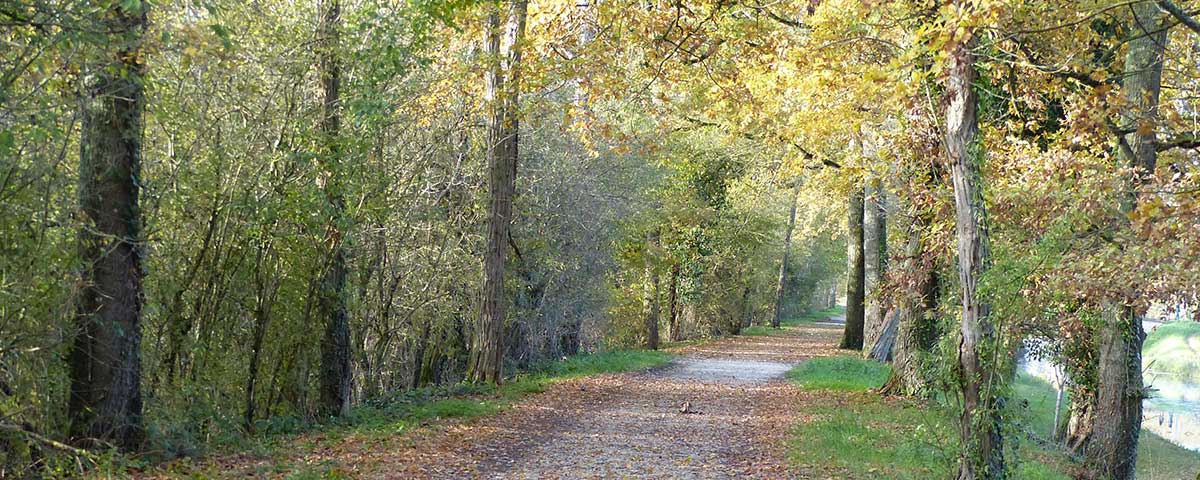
[738,412]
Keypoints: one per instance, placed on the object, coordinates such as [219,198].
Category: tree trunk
[268,286]
[673,304]
[501,94]
[747,309]
[105,398]
[874,255]
[653,310]
[335,373]
[852,336]
[1080,419]
[981,454]
[783,265]
[1112,449]
[917,330]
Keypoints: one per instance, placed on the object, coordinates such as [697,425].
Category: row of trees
[1030,162]
[279,211]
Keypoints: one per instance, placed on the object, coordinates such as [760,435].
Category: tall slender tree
[781,285]
[676,333]
[105,358]
[335,344]
[874,255]
[653,309]
[852,336]
[502,85]
[981,444]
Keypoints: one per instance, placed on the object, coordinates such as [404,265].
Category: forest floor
[720,409]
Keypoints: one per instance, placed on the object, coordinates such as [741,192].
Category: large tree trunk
[335,373]
[874,256]
[106,400]
[501,94]
[917,329]
[1112,448]
[781,287]
[852,336]
[981,447]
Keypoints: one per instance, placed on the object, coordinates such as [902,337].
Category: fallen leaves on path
[737,414]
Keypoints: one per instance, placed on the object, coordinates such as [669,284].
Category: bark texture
[781,286]
[335,374]
[1111,449]
[874,255]
[852,336]
[981,451]
[917,331]
[501,89]
[105,362]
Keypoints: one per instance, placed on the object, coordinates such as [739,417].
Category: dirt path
[631,425]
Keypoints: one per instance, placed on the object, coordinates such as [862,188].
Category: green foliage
[615,361]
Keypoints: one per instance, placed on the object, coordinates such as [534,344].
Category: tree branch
[1183,17]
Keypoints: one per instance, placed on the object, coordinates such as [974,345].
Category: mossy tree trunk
[105,403]
[335,374]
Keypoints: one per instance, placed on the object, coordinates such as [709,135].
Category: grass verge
[858,434]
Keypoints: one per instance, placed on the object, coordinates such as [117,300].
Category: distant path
[631,425]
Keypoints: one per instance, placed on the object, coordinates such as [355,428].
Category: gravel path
[719,411]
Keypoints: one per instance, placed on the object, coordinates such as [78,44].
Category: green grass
[848,374]
[858,434]
[869,437]
[807,318]
[1158,459]
[1174,348]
